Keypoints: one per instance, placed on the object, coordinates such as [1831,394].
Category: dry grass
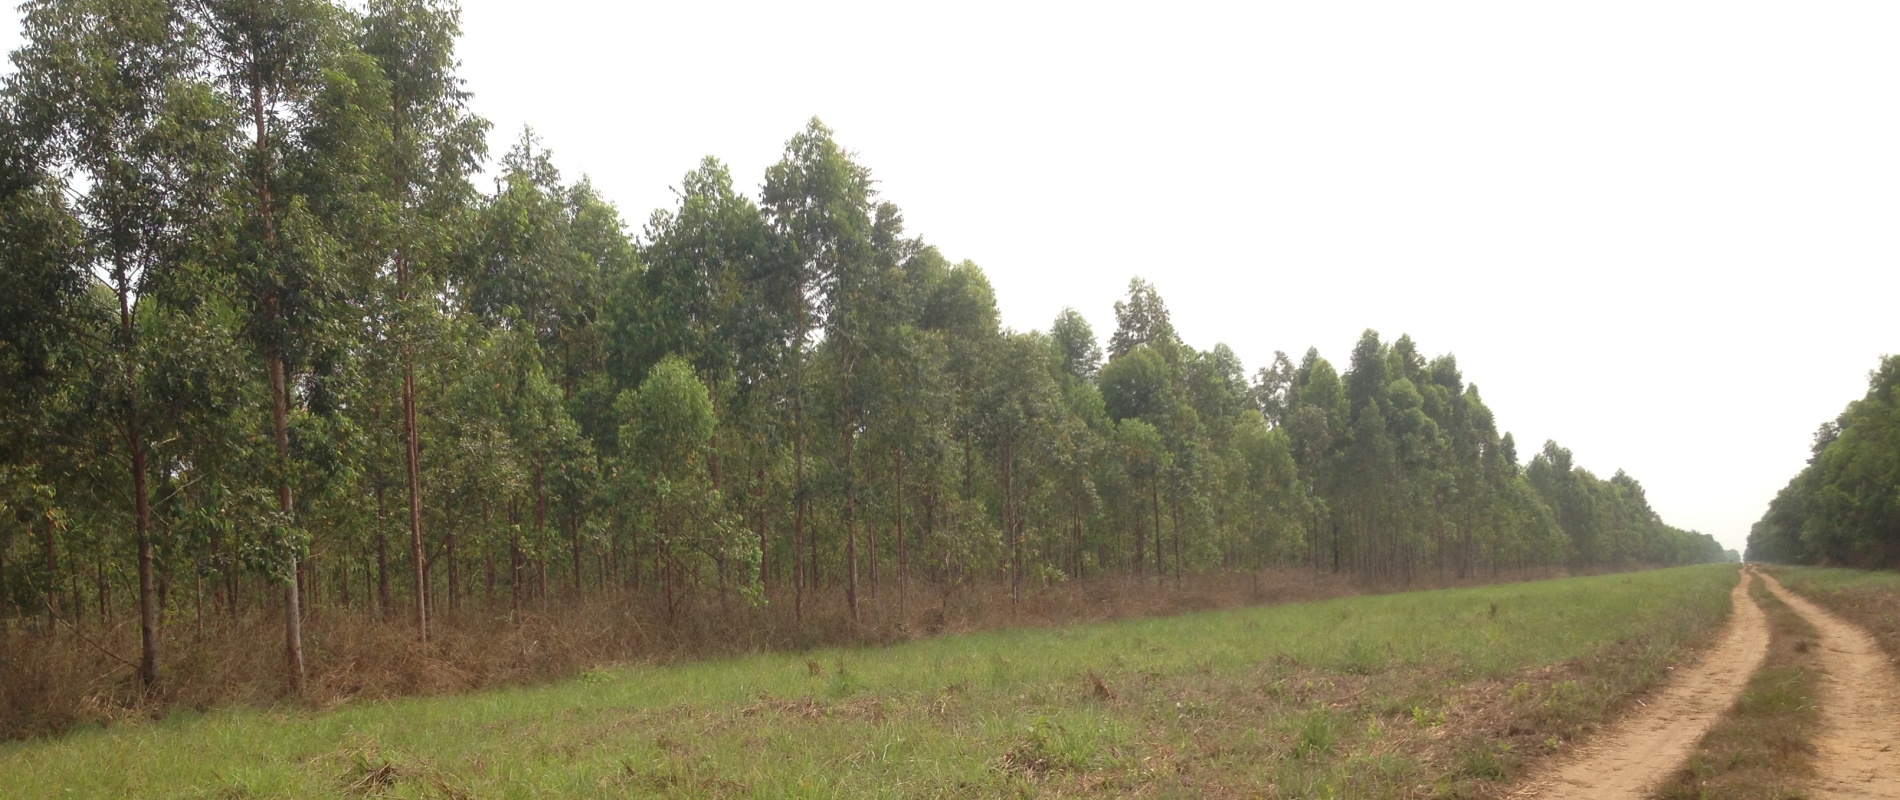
[52,683]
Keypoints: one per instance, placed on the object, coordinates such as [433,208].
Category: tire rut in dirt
[1635,754]
[1858,752]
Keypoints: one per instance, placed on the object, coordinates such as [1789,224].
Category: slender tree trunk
[799,575]
[903,555]
[448,552]
[413,464]
[141,494]
[382,556]
[1010,527]
[1141,553]
[52,575]
[514,561]
[148,599]
[1154,495]
[1174,515]
[850,524]
[574,532]
[1076,523]
[764,554]
[280,419]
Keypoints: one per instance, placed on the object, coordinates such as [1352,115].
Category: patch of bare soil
[1635,755]
[1859,744]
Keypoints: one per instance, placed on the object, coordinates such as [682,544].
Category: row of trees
[1844,507]
[266,347]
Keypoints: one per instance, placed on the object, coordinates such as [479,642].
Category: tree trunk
[448,552]
[574,531]
[280,419]
[382,558]
[413,463]
[903,555]
[52,576]
[850,525]
[798,464]
[1010,528]
[148,600]
[141,497]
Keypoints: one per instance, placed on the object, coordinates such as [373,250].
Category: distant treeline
[1844,507]
[265,345]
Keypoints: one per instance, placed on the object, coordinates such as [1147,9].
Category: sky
[1664,234]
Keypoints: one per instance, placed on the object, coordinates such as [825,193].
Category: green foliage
[211,211]
[1844,508]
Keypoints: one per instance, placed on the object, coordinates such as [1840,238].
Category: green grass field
[1421,694]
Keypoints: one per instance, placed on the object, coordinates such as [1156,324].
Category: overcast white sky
[1666,235]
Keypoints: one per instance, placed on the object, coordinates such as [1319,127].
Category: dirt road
[1859,746]
[1631,757]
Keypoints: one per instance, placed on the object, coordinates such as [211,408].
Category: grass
[1442,693]
[1763,748]
[52,681]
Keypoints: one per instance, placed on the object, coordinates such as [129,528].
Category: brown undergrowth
[1763,748]
[50,683]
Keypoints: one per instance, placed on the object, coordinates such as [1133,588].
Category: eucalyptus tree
[1019,406]
[523,269]
[1075,343]
[40,285]
[705,298]
[115,91]
[291,71]
[667,429]
[434,143]
[1141,319]
[819,204]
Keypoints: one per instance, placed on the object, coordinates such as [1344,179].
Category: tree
[1075,343]
[433,145]
[277,61]
[112,89]
[818,202]
[1141,319]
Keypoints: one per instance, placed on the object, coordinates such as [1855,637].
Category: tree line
[266,346]
[1843,508]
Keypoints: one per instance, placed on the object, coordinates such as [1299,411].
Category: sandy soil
[1631,757]
[1859,745]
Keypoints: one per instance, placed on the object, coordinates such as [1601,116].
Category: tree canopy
[1843,508]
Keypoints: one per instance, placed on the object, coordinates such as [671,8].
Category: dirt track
[1859,746]
[1631,757]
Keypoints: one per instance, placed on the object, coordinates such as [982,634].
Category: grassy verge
[1870,600]
[53,681]
[1443,693]
[1763,748]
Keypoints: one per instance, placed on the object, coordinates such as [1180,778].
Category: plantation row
[1842,508]
[265,345]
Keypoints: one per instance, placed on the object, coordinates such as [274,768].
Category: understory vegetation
[1447,693]
[268,351]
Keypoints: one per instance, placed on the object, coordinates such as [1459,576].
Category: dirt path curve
[1859,744]
[1632,756]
